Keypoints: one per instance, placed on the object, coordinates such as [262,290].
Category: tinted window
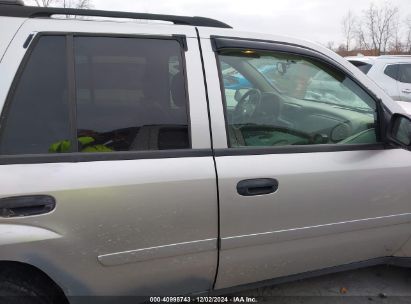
[37,115]
[362,66]
[392,71]
[405,73]
[294,100]
[130,95]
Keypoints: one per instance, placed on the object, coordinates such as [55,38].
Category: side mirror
[399,131]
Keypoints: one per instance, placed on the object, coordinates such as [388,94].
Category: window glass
[234,82]
[130,95]
[405,73]
[293,100]
[392,71]
[38,114]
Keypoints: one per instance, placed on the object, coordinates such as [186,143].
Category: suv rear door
[305,182]
[100,117]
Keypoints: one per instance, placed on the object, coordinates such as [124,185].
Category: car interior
[265,115]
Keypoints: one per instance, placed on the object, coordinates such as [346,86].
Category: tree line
[378,30]
[81,4]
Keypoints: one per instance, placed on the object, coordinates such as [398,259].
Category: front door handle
[18,206]
[258,186]
[407,91]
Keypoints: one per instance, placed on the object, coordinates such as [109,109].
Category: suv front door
[304,180]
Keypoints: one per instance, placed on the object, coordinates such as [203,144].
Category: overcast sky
[316,20]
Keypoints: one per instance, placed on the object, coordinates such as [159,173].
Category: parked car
[129,167]
[391,73]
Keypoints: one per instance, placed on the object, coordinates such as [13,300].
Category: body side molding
[312,231]
[151,253]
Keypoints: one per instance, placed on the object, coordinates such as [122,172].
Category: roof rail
[8,10]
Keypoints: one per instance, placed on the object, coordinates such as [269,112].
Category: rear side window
[405,73]
[130,92]
[129,95]
[37,114]
[392,71]
[362,66]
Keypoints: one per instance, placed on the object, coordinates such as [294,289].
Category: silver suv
[391,73]
[142,159]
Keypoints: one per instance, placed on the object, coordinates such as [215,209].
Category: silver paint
[159,252]
[279,236]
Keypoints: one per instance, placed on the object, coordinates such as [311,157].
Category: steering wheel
[247,106]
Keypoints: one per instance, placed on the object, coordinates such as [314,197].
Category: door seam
[214,160]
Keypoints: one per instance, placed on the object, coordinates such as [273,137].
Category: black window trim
[72,92]
[232,43]
[75,156]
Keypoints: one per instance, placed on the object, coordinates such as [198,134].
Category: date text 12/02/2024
[238,299]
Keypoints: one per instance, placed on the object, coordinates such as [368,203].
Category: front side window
[293,100]
[129,95]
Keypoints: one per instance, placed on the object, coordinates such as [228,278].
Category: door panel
[307,124]
[124,227]
[330,209]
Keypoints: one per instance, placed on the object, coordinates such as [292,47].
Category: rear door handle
[407,91]
[259,186]
[19,206]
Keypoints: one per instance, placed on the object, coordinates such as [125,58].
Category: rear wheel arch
[31,281]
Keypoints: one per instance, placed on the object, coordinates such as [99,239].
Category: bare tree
[407,44]
[45,2]
[83,4]
[330,45]
[361,37]
[396,44]
[379,22]
[348,24]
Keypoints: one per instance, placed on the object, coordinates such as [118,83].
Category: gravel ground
[380,284]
